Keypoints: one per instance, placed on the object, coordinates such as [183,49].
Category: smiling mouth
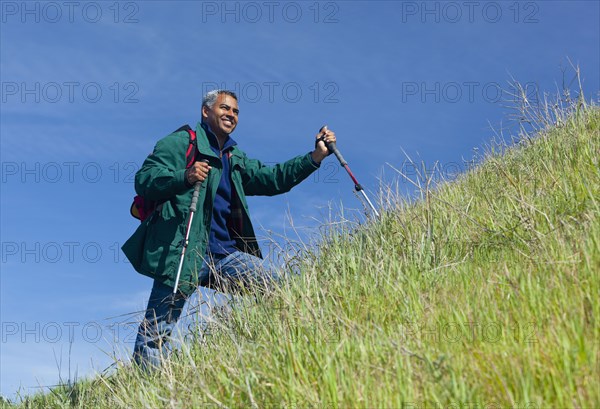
[227,122]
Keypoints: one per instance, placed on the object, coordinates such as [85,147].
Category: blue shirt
[220,242]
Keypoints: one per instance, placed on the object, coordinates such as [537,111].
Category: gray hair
[211,96]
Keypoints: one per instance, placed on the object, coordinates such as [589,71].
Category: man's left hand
[321,151]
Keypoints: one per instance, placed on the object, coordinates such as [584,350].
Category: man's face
[223,116]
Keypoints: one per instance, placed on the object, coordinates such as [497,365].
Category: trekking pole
[357,186]
[193,206]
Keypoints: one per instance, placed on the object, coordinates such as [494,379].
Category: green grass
[482,295]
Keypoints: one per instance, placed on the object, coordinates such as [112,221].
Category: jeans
[236,271]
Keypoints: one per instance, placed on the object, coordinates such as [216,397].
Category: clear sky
[89,87]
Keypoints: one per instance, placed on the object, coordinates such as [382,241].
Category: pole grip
[194,204]
[333,148]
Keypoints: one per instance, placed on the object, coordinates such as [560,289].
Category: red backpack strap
[190,155]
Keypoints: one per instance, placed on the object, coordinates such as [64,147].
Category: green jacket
[155,247]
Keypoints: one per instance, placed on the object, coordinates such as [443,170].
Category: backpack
[142,208]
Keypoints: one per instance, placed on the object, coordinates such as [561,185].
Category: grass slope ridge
[482,295]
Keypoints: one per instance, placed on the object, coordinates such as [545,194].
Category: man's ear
[204,111]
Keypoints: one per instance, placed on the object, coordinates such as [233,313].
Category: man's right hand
[197,172]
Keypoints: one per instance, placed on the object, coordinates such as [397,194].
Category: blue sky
[89,87]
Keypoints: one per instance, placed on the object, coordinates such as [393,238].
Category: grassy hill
[483,294]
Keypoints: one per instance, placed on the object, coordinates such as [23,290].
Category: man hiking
[222,251]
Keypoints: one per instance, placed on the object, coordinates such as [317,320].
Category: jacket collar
[212,139]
